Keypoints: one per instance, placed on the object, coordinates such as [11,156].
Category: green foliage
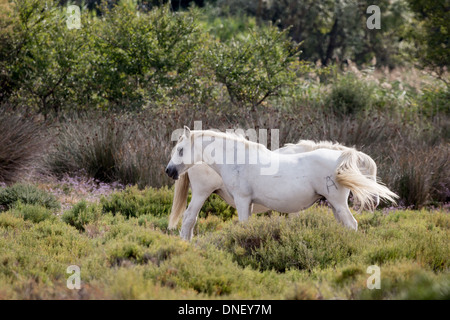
[256,65]
[276,243]
[134,203]
[153,206]
[125,58]
[127,251]
[128,59]
[161,223]
[40,253]
[315,241]
[143,56]
[227,27]
[435,102]
[214,205]
[131,259]
[27,194]
[333,30]
[431,34]
[349,96]
[32,212]
[44,57]
[82,214]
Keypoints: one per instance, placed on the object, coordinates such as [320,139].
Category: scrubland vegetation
[125,251]
[86,117]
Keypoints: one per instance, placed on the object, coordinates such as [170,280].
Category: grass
[22,143]
[126,256]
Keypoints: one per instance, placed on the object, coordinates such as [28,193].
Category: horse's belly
[289,203]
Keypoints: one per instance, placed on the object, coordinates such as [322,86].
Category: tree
[431,34]
[256,65]
[332,30]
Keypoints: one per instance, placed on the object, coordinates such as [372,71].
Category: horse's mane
[225,135]
[312,145]
[307,144]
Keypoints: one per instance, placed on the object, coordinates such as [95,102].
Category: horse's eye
[180,152]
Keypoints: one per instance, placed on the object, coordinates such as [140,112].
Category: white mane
[312,145]
[225,135]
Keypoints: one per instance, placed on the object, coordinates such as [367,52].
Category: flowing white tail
[179,200]
[363,187]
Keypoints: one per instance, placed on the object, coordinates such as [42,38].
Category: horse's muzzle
[172,172]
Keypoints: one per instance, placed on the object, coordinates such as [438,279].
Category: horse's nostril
[167,170]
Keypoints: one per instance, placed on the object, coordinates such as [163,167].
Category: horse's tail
[363,186]
[369,167]
[180,196]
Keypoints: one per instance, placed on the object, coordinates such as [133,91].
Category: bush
[28,195]
[32,212]
[21,145]
[157,203]
[50,68]
[435,102]
[98,150]
[134,203]
[420,183]
[130,149]
[126,252]
[316,241]
[256,66]
[161,223]
[277,243]
[82,214]
[349,96]
[215,206]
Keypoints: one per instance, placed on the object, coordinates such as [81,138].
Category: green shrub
[349,96]
[161,223]
[316,241]
[27,194]
[128,251]
[133,202]
[256,65]
[54,69]
[10,220]
[277,243]
[435,102]
[32,212]
[210,224]
[82,214]
[214,205]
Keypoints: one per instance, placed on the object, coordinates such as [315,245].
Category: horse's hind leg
[339,205]
[191,213]
[243,207]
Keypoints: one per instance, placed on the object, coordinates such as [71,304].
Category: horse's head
[182,156]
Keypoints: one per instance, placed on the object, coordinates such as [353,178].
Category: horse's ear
[187,132]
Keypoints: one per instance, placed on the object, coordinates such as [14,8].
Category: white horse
[204,181]
[301,180]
